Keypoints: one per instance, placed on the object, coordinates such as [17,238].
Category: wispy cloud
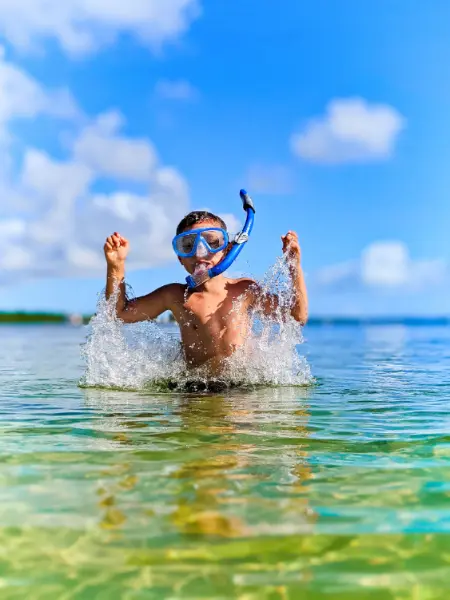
[100,146]
[180,90]
[81,27]
[22,96]
[270,179]
[351,131]
[234,224]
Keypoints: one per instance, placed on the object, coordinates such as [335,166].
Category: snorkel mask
[200,242]
[210,240]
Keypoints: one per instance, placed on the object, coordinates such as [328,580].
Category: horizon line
[36,316]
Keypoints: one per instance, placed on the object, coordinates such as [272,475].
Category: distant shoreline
[36,318]
[26,318]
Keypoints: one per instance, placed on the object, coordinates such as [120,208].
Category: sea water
[335,490]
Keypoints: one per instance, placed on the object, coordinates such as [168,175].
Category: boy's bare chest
[207,311]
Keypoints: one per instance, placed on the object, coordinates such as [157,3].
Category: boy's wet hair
[198,216]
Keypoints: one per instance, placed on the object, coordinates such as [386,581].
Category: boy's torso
[212,323]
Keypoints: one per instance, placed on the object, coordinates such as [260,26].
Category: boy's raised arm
[140,309]
[270,302]
[291,247]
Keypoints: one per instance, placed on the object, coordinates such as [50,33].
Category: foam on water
[147,354]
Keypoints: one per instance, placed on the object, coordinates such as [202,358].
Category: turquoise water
[337,490]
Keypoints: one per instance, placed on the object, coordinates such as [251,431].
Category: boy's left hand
[291,246]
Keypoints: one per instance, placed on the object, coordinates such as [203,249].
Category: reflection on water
[210,487]
[337,490]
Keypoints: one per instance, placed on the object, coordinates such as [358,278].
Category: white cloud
[176,90]
[233,224]
[65,236]
[385,265]
[270,179]
[83,26]
[67,233]
[23,97]
[148,221]
[11,228]
[352,130]
[338,274]
[16,258]
[44,176]
[52,219]
[100,148]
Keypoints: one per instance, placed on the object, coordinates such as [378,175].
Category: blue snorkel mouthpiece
[239,242]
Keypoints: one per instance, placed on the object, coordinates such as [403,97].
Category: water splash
[149,355]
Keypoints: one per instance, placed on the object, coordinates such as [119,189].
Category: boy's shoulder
[243,284]
[171,292]
[174,289]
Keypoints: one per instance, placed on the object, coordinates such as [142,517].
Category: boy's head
[197,217]
[201,219]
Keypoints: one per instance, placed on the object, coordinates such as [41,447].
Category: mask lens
[214,239]
[185,244]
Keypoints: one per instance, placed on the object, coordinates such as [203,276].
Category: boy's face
[209,258]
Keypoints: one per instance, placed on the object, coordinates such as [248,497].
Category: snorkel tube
[239,242]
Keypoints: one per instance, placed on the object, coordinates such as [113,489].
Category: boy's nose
[201,250]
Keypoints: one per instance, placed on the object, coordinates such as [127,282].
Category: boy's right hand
[116,250]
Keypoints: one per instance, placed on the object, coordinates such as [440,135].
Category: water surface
[336,490]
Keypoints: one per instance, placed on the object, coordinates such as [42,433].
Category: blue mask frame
[199,239]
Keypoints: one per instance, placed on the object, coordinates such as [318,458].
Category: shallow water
[337,490]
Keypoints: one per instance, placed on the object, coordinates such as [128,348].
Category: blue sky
[332,114]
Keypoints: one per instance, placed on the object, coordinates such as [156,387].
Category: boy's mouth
[201,271]
[202,265]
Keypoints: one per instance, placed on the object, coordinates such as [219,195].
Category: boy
[213,317]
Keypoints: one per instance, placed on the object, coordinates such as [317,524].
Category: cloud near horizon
[385,265]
